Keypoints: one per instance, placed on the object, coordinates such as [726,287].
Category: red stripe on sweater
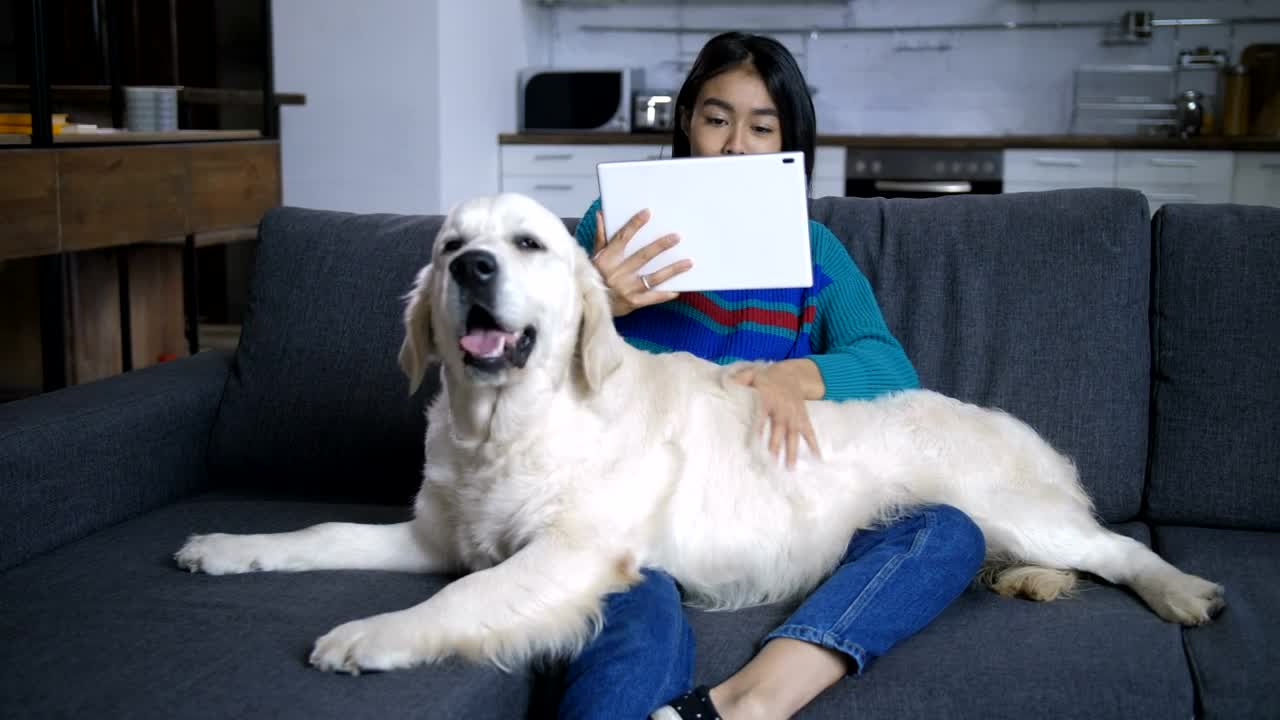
[784,319]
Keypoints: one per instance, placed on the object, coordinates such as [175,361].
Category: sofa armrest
[81,459]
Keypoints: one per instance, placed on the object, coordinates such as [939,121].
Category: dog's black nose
[474,269]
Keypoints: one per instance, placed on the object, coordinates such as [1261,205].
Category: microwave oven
[573,100]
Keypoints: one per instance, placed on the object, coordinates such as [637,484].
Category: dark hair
[782,78]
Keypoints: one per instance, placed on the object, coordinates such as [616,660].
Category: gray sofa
[1145,350]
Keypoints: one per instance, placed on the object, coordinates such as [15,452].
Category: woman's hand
[628,290]
[784,388]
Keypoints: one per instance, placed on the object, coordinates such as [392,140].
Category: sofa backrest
[1033,303]
[1215,456]
[316,402]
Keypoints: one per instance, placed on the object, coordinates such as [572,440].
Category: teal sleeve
[854,350]
[586,231]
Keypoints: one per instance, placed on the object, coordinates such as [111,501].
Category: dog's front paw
[1187,599]
[221,554]
[379,643]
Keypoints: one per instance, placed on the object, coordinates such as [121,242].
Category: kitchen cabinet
[1035,170]
[563,177]
[1256,180]
[1187,176]
[1164,176]
[828,171]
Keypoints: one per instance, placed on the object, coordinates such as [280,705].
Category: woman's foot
[693,705]
[745,706]
[782,678]
[724,702]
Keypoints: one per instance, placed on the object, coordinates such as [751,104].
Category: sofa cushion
[1215,458]
[1234,658]
[316,400]
[1100,654]
[110,627]
[1035,303]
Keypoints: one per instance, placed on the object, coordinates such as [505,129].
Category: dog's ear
[597,340]
[417,349]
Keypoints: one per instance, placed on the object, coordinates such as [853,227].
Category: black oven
[921,173]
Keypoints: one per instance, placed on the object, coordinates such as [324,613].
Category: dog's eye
[452,245]
[528,242]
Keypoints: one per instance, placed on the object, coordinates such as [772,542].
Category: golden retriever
[560,460]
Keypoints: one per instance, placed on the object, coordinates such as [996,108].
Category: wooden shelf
[73,198]
[101,95]
[126,137]
[119,214]
[132,137]
[219,96]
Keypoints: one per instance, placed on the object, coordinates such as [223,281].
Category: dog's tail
[1033,582]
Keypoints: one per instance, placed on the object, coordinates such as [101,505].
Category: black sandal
[693,705]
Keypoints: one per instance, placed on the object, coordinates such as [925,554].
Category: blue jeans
[892,581]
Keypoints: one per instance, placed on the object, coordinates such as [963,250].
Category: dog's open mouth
[487,345]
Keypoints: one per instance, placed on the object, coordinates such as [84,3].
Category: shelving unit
[101,231]
[40,93]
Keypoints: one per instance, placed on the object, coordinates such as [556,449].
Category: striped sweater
[836,323]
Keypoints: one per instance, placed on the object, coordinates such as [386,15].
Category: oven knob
[860,166]
[940,167]
[973,167]
[988,167]
[955,167]
[875,166]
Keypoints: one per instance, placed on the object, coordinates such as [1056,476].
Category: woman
[745,94]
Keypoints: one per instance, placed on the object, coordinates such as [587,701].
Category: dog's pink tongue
[486,343]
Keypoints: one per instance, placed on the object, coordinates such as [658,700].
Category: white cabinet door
[578,160]
[1257,179]
[1173,193]
[566,196]
[1050,169]
[1176,176]
[828,171]
[826,187]
[1136,168]
[563,177]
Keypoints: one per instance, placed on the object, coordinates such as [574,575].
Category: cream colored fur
[552,484]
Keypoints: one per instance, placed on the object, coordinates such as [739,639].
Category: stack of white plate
[151,109]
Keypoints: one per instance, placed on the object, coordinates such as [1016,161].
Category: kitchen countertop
[950,142]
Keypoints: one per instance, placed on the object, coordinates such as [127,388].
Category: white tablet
[742,219]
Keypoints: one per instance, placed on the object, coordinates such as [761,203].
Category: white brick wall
[987,82]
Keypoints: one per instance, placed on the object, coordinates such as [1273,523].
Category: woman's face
[733,115]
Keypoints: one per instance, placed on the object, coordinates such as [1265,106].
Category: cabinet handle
[1059,162]
[552,156]
[1173,163]
[549,186]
